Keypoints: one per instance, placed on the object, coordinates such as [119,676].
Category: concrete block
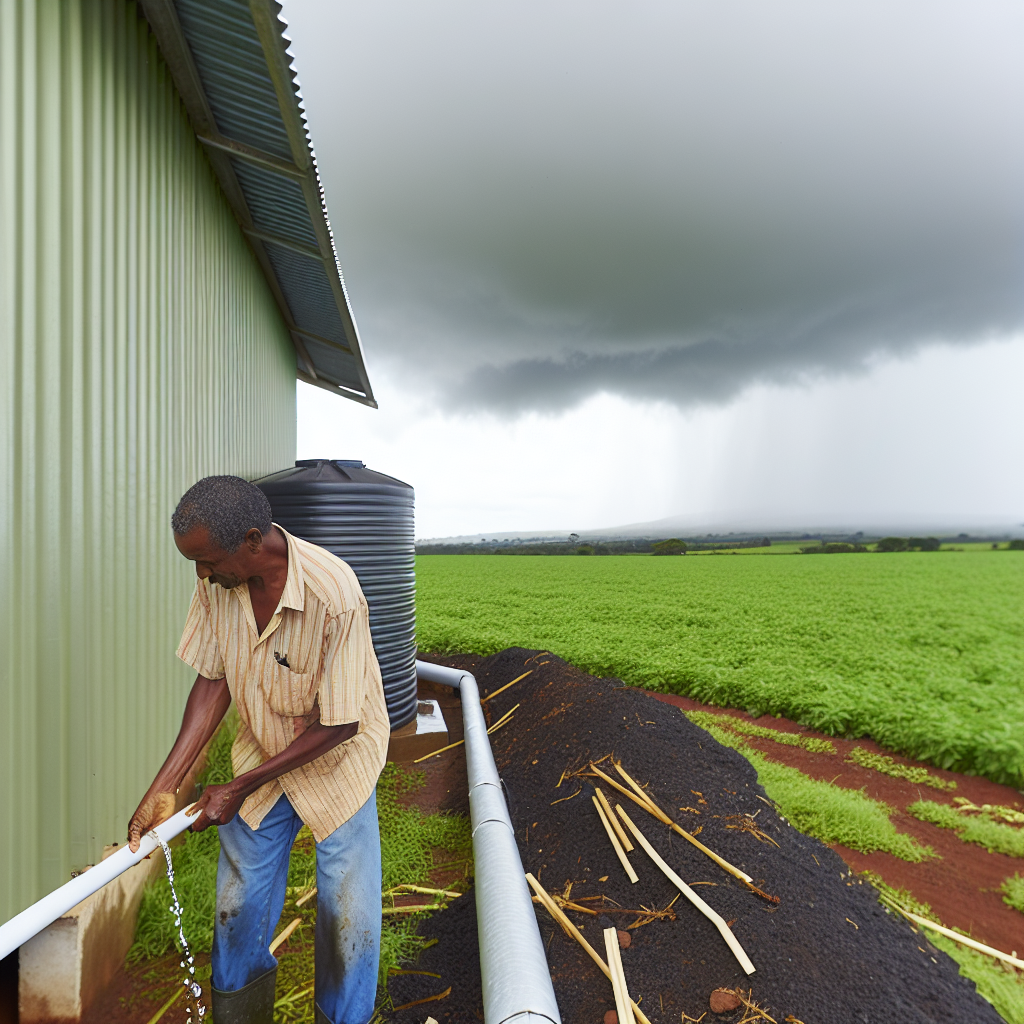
[64,969]
[67,966]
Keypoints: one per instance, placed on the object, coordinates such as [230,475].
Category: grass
[409,839]
[923,652]
[739,725]
[887,766]
[999,983]
[981,829]
[1013,892]
[820,809]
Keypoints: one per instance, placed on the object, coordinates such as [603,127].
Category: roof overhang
[229,60]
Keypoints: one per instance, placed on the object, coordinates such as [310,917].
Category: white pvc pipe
[513,967]
[34,919]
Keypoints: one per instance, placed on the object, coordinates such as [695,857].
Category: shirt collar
[294,593]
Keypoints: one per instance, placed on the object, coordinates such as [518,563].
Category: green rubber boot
[253,1004]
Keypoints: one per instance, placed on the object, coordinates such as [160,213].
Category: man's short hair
[228,506]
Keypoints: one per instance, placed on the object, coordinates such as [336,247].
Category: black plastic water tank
[366,519]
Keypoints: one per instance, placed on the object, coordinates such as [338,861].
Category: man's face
[212,561]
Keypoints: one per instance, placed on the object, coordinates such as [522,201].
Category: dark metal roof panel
[331,362]
[229,57]
[277,205]
[230,62]
[308,291]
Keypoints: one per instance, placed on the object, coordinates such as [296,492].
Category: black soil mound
[826,953]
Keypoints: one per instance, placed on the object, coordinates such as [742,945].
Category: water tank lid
[357,463]
[327,474]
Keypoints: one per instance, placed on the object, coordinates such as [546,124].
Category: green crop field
[923,652]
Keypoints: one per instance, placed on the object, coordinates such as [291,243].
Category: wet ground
[843,970]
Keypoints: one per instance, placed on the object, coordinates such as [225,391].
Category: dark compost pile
[826,953]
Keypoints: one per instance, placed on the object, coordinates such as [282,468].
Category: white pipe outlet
[34,919]
[513,967]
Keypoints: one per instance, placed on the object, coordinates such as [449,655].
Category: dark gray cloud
[673,200]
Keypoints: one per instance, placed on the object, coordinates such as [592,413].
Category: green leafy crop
[923,652]
[887,766]
[981,829]
[739,725]
[1013,892]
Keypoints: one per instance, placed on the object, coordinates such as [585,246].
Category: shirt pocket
[296,643]
[288,693]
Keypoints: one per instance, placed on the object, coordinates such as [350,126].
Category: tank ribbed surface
[367,519]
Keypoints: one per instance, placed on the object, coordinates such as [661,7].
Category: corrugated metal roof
[230,62]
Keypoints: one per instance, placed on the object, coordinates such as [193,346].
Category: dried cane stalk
[724,930]
[501,721]
[653,808]
[623,1007]
[619,830]
[440,750]
[569,903]
[637,788]
[571,929]
[614,839]
[957,937]
[484,700]
[286,934]
[405,887]
[306,898]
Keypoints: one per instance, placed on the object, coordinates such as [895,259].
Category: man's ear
[254,540]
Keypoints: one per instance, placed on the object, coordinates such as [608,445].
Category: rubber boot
[319,1017]
[253,1004]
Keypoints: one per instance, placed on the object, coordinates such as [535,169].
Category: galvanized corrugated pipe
[513,967]
[34,919]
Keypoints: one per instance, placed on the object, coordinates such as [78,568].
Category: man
[281,627]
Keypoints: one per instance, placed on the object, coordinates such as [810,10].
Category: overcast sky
[729,260]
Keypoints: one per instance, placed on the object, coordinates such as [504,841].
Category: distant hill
[733,529]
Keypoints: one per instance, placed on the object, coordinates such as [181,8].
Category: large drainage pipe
[34,919]
[513,967]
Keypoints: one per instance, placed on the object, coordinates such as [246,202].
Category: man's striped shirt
[316,649]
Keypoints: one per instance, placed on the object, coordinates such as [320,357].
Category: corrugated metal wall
[140,349]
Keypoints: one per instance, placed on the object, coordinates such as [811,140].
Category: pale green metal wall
[140,349]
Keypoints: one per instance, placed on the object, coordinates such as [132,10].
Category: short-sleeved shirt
[316,649]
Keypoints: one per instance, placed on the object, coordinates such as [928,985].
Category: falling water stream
[192,990]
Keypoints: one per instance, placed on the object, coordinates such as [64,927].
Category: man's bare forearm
[314,742]
[204,711]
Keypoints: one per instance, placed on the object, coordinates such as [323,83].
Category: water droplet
[192,988]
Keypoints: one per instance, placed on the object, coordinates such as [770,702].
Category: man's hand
[156,808]
[217,806]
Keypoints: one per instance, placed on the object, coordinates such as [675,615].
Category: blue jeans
[252,875]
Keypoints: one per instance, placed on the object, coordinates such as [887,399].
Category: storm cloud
[539,201]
